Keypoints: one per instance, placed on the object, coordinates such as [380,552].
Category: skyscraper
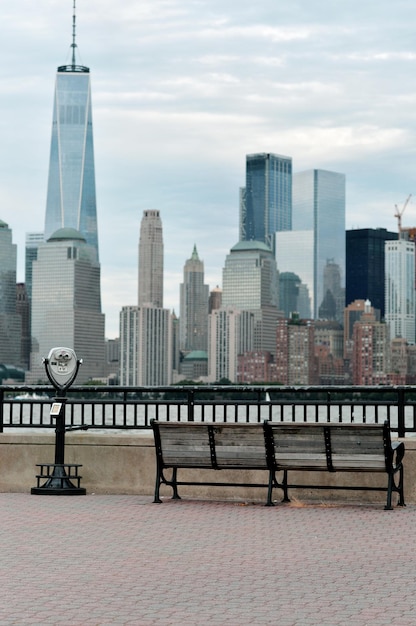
[250,283]
[31,254]
[129,328]
[194,296]
[151,260]
[155,347]
[71,200]
[224,343]
[66,304]
[266,200]
[318,219]
[365,265]
[400,289]
[296,363]
[10,321]
[370,354]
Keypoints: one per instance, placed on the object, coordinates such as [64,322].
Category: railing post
[191,401]
[1,409]
[401,427]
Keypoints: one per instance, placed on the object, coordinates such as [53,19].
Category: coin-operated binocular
[61,367]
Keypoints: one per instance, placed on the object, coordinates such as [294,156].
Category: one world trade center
[71,200]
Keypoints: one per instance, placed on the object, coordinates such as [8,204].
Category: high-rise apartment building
[227,338]
[250,283]
[194,299]
[71,198]
[296,363]
[266,200]
[10,320]
[129,345]
[215,299]
[365,265]
[66,304]
[151,260]
[154,347]
[400,289]
[370,354]
[318,235]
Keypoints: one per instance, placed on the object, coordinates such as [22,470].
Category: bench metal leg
[174,485]
[284,487]
[162,480]
[397,488]
[157,499]
[400,488]
[388,506]
[272,481]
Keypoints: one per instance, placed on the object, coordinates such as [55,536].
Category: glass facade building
[294,253]
[319,207]
[365,265]
[266,200]
[71,197]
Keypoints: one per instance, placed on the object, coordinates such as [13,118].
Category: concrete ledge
[124,463]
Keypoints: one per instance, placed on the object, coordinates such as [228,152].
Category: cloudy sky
[183,90]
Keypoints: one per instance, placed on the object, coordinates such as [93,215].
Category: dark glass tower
[365,265]
[71,201]
[266,200]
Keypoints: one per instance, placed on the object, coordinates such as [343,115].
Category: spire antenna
[73,45]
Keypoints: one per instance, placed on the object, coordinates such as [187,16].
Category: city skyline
[205,86]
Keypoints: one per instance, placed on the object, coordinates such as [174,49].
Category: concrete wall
[124,463]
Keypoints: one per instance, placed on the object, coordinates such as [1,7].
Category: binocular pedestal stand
[61,479]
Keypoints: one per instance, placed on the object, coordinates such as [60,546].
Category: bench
[277,447]
[334,447]
[203,445]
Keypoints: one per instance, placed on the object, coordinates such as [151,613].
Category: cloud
[183,90]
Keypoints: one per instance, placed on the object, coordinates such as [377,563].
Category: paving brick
[122,560]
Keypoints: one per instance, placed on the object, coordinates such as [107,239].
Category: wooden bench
[334,447]
[202,445]
[277,447]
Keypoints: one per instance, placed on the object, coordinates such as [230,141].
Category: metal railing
[129,408]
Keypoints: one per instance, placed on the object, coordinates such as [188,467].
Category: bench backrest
[184,444]
[333,446]
[216,445]
[239,445]
[358,445]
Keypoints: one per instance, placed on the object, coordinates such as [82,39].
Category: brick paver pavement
[110,560]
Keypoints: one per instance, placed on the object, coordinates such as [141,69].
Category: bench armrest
[398,452]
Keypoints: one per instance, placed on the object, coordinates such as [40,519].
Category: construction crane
[399,213]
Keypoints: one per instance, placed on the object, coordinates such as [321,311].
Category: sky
[182,91]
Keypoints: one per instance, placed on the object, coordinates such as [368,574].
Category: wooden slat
[185,444]
[357,446]
[240,446]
